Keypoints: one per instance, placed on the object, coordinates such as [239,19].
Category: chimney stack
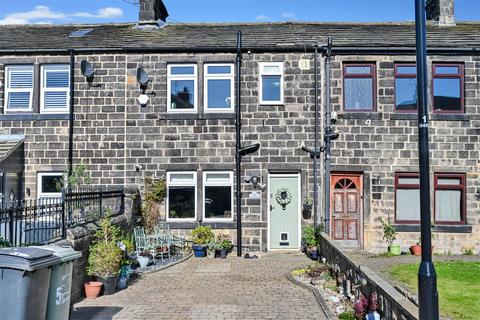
[151,11]
[447,13]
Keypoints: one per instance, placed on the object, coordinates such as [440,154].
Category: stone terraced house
[186,131]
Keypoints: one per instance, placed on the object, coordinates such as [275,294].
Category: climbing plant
[155,193]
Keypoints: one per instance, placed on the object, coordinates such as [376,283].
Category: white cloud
[43,14]
[39,12]
[105,13]
[288,15]
[262,17]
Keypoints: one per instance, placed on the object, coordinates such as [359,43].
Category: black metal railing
[43,220]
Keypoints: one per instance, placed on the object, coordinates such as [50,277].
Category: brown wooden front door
[346,208]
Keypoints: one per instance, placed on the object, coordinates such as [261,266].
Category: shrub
[4,243]
[202,235]
[309,236]
[105,256]
[389,233]
[347,315]
[155,193]
[360,307]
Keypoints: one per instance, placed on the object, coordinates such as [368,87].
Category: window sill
[434,117]
[194,224]
[34,116]
[196,116]
[438,228]
[366,115]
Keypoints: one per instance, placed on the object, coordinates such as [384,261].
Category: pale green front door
[284,211]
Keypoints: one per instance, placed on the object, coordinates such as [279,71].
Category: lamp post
[427,279]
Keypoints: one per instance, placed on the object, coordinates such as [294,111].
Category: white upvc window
[181,196]
[49,186]
[18,88]
[182,88]
[218,195]
[55,88]
[271,82]
[218,83]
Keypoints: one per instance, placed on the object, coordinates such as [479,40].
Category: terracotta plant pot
[416,250]
[92,289]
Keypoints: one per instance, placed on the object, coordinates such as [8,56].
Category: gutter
[335,50]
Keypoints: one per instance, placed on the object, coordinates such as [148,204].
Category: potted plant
[144,258]
[307,208]
[373,307]
[212,247]
[416,249]
[105,255]
[389,235]
[225,245]
[310,241]
[201,236]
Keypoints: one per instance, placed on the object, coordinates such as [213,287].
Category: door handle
[271,208]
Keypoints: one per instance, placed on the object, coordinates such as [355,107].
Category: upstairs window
[218,195]
[359,87]
[407,198]
[447,87]
[218,96]
[271,83]
[405,88]
[181,196]
[55,89]
[449,198]
[182,88]
[18,88]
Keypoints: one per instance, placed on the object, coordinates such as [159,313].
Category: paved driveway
[211,289]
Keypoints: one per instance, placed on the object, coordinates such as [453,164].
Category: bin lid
[27,258]
[65,254]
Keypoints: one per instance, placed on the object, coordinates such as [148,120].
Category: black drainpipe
[317,152]
[238,157]
[326,175]
[72,97]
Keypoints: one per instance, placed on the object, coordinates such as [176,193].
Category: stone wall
[115,136]
[80,238]
[357,278]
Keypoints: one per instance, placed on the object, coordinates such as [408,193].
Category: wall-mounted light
[88,71]
[255,181]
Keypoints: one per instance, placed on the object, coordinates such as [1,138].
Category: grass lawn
[458,286]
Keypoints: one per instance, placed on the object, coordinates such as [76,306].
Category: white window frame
[262,66]
[171,77]
[181,184]
[47,195]
[8,89]
[222,76]
[217,184]
[43,89]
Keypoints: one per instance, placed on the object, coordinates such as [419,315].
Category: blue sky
[102,11]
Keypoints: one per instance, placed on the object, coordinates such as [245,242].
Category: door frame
[299,212]
[361,228]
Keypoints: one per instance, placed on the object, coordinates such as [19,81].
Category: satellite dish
[142,77]
[87,70]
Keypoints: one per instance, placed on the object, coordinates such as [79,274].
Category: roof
[8,144]
[223,36]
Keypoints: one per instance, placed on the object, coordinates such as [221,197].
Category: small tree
[389,233]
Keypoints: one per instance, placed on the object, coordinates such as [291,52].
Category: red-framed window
[405,87]
[359,87]
[448,88]
[450,198]
[407,197]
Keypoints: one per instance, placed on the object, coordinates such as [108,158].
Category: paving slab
[234,288]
